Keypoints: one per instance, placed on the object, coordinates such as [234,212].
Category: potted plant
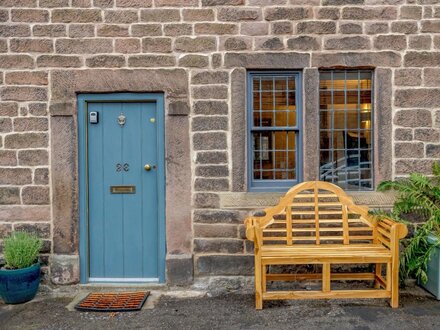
[20,276]
[419,195]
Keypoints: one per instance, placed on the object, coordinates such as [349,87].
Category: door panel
[123,228]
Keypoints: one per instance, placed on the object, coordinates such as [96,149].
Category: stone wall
[213,42]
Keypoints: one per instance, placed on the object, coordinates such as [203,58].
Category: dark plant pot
[19,285]
[433,271]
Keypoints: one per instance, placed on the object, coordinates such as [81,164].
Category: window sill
[261,200]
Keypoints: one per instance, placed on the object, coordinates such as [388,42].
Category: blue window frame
[274,130]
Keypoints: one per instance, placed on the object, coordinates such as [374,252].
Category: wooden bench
[317,223]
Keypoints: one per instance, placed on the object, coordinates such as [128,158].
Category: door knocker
[121,119]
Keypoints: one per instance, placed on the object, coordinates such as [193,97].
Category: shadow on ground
[233,311]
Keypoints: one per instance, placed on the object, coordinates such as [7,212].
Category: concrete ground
[168,310]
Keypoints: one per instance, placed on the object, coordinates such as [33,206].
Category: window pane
[346,128]
[274,109]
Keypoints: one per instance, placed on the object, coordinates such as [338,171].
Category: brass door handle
[148,167]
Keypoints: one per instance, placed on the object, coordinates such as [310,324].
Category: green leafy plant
[418,195]
[21,250]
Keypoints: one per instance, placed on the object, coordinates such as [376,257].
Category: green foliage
[21,250]
[418,195]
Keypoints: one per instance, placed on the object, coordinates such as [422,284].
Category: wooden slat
[335,294]
[289,225]
[315,192]
[321,204]
[383,241]
[384,232]
[314,196]
[318,277]
[345,225]
[326,277]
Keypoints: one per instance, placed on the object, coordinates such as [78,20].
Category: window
[274,121]
[345,127]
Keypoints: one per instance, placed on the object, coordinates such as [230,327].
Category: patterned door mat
[113,302]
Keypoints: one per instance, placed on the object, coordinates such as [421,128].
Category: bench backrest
[317,212]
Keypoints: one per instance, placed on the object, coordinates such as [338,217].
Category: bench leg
[326,277]
[378,272]
[258,284]
[395,284]
[263,278]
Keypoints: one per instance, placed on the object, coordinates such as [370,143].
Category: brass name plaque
[123,189]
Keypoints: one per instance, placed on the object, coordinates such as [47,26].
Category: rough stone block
[316,27]
[210,92]
[35,195]
[427,134]
[81,30]
[56,3]
[281,27]
[33,157]
[354,59]
[209,141]
[5,229]
[23,93]
[350,28]
[370,13]
[8,109]
[210,77]
[15,30]
[217,230]
[403,134]
[16,62]
[431,77]
[64,269]
[218,216]
[8,158]
[198,15]
[210,108]
[128,45]
[215,28]
[411,12]
[31,124]
[407,27]
[430,26]
[218,245]
[433,150]
[211,157]
[287,13]
[195,44]
[144,30]
[156,45]
[9,195]
[412,98]
[232,14]
[408,166]
[235,43]
[376,27]
[52,30]
[15,176]
[212,171]
[332,13]
[413,118]
[121,16]
[206,200]
[254,28]
[420,42]
[5,125]
[211,123]
[422,59]
[41,176]
[178,108]
[160,15]
[408,77]
[269,43]
[25,213]
[225,265]
[26,78]
[31,45]
[83,46]
[179,29]
[179,269]
[29,15]
[58,61]
[409,150]
[41,230]
[112,30]
[26,140]
[194,61]
[209,3]
[151,61]
[76,15]
[393,42]
[105,61]
[202,184]
[136,3]
[347,43]
[342,2]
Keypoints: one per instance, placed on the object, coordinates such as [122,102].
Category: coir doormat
[113,302]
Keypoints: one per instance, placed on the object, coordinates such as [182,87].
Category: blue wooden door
[123,221]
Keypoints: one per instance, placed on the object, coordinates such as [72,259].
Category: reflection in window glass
[345,124]
[274,133]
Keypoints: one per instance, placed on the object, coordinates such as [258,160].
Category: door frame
[82,102]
